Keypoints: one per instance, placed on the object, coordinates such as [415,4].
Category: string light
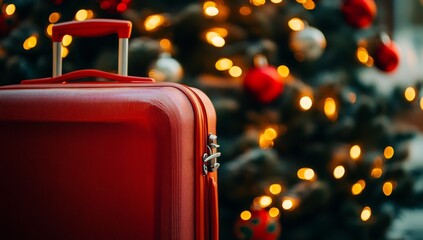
[283,71]
[258,2]
[245,215]
[67,40]
[65,51]
[81,15]
[223,64]
[245,10]
[296,24]
[54,17]
[276,1]
[154,21]
[289,203]
[210,9]
[387,188]
[270,133]
[410,94]
[358,187]
[330,108]
[355,152]
[306,174]
[274,212]
[339,172]
[10,9]
[388,152]
[235,71]
[309,5]
[215,36]
[30,42]
[49,29]
[421,103]
[366,213]
[301,1]
[265,201]
[275,188]
[166,45]
[306,103]
[362,55]
[376,172]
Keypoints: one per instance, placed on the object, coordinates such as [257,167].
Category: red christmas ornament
[114,6]
[260,226]
[263,81]
[359,13]
[387,56]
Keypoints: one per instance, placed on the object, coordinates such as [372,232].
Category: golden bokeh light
[258,2]
[283,71]
[276,1]
[65,51]
[362,55]
[275,188]
[330,108]
[166,45]
[81,15]
[376,172]
[210,9]
[355,152]
[410,94]
[245,215]
[10,9]
[366,213]
[265,201]
[388,153]
[235,71]
[388,188]
[309,5]
[274,212]
[306,174]
[30,42]
[223,64]
[296,24]
[306,103]
[54,17]
[67,40]
[245,10]
[154,21]
[339,172]
[358,187]
[287,204]
[270,133]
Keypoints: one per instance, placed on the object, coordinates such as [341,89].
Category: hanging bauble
[359,13]
[386,56]
[308,43]
[263,81]
[114,6]
[166,68]
[259,226]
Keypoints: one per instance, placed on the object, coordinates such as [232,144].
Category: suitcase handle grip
[92,28]
[75,75]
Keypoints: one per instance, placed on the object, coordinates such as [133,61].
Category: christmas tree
[310,149]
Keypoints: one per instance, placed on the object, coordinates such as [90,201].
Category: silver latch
[210,163]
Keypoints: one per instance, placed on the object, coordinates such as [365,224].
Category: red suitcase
[128,159]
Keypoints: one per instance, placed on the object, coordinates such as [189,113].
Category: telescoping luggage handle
[92,28]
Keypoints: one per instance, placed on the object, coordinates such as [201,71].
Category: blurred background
[319,102]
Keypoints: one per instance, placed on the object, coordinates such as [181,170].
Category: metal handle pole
[123,57]
[57,59]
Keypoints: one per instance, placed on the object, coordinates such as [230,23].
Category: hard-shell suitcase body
[129,159]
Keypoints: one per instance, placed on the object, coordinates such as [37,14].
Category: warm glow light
[421,103]
[245,215]
[366,213]
[265,201]
[283,71]
[362,55]
[210,9]
[49,29]
[30,42]
[306,103]
[10,9]
[275,188]
[274,212]
[309,5]
[245,10]
[355,152]
[339,172]
[296,24]
[65,52]
[235,71]
[330,108]
[67,40]
[270,133]
[54,17]
[81,15]
[358,187]
[301,1]
[166,45]
[152,22]
[376,172]
[90,14]
[387,188]
[223,64]
[388,152]
[218,41]
[258,2]
[305,173]
[287,204]
[276,1]
[410,94]
[265,143]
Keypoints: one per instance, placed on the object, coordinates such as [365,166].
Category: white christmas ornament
[308,44]
[166,68]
